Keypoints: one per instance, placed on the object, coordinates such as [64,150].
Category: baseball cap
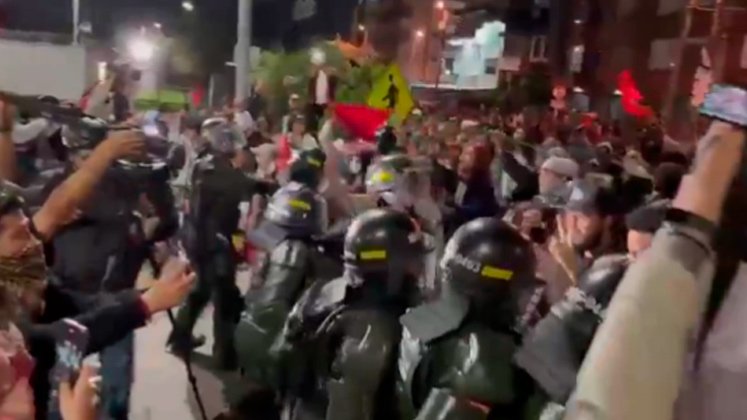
[648,218]
[593,197]
[561,166]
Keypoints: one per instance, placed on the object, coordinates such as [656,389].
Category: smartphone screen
[726,103]
[72,341]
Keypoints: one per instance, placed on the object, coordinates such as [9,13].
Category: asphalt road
[161,390]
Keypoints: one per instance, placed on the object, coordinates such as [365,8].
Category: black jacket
[218,189]
[478,201]
[104,249]
[109,318]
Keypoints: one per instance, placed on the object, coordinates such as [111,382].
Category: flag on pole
[360,120]
[631,96]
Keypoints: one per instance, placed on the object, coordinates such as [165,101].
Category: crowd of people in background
[576,189]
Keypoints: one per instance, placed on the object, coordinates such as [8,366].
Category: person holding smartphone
[32,302]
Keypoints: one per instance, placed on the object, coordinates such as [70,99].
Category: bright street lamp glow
[419,33]
[157,25]
[440,4]
[142,50]
[188,6]
[361,28]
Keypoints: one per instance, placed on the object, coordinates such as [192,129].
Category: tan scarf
[27,273]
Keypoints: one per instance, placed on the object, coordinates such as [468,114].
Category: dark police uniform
[294,220]
[104,251]
[456,354]
[338,349]
[218,189]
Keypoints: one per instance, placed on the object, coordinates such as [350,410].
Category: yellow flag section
[391,91]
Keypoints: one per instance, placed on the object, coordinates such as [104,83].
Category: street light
[188,6]
[157,26]
[142,50]
[419,33]
[362,28]
[440,4]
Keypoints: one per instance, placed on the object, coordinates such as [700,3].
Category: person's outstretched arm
[635,365]
[72,193]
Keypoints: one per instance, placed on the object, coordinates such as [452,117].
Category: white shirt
[244,121]
[322,88]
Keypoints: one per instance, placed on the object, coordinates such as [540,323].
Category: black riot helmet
[223,136]
[489,263]
[552,353]
[298,210]
[308,168]
[392,180]
[386,140]
[383,249]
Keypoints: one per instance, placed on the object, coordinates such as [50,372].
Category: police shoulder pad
[434,320]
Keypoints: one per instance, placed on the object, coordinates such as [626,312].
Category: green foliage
[277,68]
[356,84]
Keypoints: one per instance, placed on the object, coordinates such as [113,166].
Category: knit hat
[561,166]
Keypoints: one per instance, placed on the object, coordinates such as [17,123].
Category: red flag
[198,94]
[631,96]
[285,154]
[360,120]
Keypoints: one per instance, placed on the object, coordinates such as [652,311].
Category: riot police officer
[308,168]
[339,344]
[218,186]
[456,355]
[553,352]
[399,182]
[294,218]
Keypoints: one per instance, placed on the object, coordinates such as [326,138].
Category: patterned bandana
[27,273]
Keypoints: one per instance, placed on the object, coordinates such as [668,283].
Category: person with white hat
[555,173]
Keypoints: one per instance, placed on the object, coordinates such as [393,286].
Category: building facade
[596,39]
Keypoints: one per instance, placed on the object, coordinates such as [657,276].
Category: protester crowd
[450,267]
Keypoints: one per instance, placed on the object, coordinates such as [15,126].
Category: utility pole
[243,45]
[76,21]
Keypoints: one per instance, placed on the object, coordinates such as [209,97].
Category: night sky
[217,18]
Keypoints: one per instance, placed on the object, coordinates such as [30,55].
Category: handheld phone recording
[726,103]
[72,341]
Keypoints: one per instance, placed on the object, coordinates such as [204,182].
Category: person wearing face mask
[34,303]
[554,177]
